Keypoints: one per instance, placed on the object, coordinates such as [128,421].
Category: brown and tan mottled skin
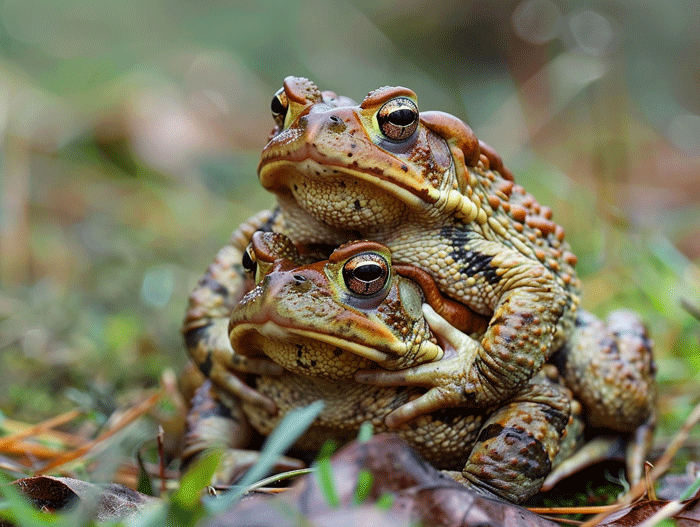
[424,186]
[324,321]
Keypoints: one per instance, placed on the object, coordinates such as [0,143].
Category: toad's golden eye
[398,118]
[248,262]
[279,107]
[366,274]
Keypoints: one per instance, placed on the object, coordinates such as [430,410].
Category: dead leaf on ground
[421,494]
[53,494]
[635,514]
[672,486]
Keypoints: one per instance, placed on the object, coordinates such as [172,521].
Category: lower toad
[321,324]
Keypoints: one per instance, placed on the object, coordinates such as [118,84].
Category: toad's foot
[216,360]
[447,378]
[230,382]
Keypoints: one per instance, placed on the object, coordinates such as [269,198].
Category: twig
[161,459]
[562,520]
[672,507]
[125,420]
[662,465]
[21,448]
[40,428]
[647,477]
[591,509]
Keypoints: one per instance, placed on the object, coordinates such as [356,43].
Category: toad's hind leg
[523,440]
[610,368]
[216,421]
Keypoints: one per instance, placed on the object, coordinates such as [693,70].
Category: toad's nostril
[335,119]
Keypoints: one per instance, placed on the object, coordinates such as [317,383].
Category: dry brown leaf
[672,486]
[634,515]
[53,494]
[421,494]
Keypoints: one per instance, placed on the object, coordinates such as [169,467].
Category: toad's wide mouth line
[274,331]
[276,174]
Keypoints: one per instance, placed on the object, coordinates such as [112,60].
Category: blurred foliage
[131,133]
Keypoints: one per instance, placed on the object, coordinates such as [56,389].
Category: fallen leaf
[54,494]
[419,493]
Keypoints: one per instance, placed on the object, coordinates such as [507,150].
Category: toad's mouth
[344,199]
[281,172]
[280,339]
[361,198]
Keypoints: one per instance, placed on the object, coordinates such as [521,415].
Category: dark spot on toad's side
[610,344]
[267,226]
[357,204]
[652,367]
[404,168]
[473,262]
[205,405]
[195,335]
[221,410]
[556,418]
[561,358]
[206,365]
[213,285]
[489,432]
[476,263]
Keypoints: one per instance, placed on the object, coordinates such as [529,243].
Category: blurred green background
[131,132]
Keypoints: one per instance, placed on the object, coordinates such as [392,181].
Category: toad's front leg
[205,328]
[530,317]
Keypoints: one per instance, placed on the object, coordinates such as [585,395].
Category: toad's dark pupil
[402,117]
[368,272]
[276,106]
[247,262]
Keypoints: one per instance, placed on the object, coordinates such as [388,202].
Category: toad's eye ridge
[366,274]
[398,118]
